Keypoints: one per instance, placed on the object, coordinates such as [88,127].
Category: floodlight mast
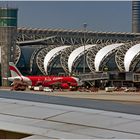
[84,59]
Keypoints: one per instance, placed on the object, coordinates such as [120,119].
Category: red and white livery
[46,81]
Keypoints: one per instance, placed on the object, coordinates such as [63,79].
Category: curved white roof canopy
[51,54]
[130,55]
[102,53]
[75,54]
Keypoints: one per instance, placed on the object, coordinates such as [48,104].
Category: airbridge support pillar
[8,31]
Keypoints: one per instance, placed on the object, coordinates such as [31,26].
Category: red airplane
[46,81]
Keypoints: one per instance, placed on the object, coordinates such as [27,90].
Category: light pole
[84,62]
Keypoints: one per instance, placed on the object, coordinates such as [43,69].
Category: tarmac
[119,96]
[100,95]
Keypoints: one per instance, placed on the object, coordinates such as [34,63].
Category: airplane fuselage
[63,81]
[50,80]
[47,80]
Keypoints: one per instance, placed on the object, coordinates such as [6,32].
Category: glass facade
[8,17]
[8,22]
[8,13]
[111,64]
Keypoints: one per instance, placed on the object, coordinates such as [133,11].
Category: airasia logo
[57,78]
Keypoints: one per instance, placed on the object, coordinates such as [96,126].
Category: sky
[110,16]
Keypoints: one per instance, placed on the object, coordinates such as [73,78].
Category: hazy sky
[112,16]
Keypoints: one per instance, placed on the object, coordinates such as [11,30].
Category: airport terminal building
[68,60]
[78,53]
[119,60]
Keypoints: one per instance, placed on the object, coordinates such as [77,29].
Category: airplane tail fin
[14,71]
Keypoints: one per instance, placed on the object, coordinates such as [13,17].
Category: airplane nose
[78,81]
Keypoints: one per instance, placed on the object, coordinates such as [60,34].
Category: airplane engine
[64,86]
[73,84]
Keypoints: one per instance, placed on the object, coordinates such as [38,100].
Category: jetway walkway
[94,76]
